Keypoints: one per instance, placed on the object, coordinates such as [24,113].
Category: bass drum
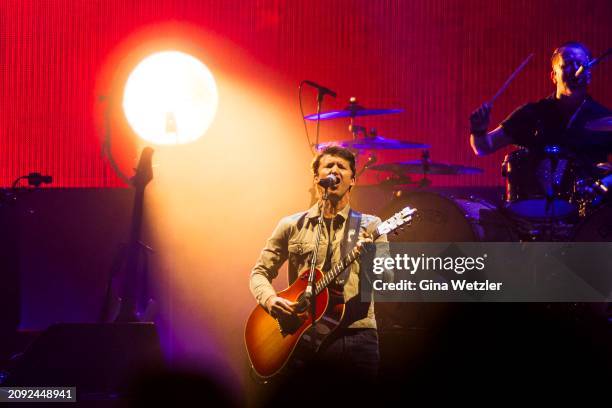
[596,227]
[441,218]
[449,219]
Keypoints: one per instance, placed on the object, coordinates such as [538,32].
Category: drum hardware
[590,194]
[355,130]
[603,185]
[427,167]
[374,142]
[352,110]
[361,140]
[401,171]
[600,125]
[548,231]
[605,167]
[372,158]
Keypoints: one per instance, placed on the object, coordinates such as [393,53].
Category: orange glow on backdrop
[213,203]
[121,62]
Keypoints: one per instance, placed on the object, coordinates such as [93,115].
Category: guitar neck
[337,270]
[137,211]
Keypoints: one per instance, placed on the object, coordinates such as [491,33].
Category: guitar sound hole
[302,304]
[289,324]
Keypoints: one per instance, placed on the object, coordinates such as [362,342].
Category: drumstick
[510,79]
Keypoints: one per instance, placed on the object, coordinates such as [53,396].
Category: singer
[354,345]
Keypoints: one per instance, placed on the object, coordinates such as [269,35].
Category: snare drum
[539,187]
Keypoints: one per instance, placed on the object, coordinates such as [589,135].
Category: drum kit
[548,197]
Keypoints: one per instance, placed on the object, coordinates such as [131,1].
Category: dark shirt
[537,125]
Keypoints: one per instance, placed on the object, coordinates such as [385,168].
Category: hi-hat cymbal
[426,167]
[376,143]
[352,110]
[600,125]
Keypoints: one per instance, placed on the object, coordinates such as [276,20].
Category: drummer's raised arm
[484,142]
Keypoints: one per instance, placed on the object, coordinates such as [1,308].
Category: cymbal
[605,166]
[376,143]
[600,125]
[352,111]
[421,167]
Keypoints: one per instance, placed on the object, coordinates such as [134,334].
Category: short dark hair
[338,151]
[570,44]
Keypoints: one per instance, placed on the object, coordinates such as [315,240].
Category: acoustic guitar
[274,344]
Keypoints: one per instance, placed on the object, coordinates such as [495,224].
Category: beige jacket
[293,241]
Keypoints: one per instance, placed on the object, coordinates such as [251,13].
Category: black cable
[17,180]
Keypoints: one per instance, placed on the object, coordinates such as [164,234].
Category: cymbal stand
[425,182]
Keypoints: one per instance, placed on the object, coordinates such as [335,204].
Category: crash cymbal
[600,125]
[351,113]
[376,143]
[427,167]
[352,110]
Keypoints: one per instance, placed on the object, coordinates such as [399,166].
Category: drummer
[555,122]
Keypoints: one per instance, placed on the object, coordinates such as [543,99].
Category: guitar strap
[351,235]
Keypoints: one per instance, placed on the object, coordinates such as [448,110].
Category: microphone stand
[310,294]
[320,96]
[321,92]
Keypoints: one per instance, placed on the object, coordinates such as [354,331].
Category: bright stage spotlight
[170,98]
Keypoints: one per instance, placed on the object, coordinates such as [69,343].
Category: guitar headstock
[144,170]
[398,220]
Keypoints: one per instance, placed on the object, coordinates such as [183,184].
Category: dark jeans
[345,368]
[355,350]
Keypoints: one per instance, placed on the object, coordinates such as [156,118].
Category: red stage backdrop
[438,59]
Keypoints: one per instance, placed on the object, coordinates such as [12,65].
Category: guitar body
[274,345]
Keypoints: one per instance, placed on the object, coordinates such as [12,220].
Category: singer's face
[565,67]
[339,167]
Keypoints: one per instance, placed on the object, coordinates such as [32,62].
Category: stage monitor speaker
[95,358]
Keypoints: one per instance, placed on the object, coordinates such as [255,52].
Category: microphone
[592,63]
[584,67]
[322,89]
[329,181]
